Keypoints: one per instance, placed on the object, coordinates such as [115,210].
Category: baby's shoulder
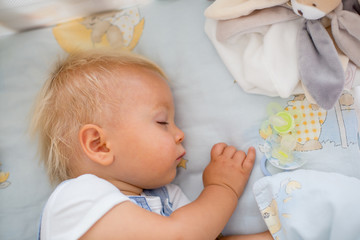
[83,184]
[76,204]
[86,189]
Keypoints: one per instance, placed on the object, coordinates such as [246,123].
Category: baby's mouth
[181,156]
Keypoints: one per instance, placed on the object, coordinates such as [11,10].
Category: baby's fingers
[249,160]
[218,149]
[240,156]
[229,152]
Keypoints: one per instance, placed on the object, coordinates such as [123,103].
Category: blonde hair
[71,97]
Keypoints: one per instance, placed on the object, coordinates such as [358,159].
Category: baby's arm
[224,181]
[259,236]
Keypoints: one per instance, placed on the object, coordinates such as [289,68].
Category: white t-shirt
[77,204]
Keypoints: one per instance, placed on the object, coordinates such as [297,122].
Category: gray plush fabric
[319,65]
[351,5]
[346,31]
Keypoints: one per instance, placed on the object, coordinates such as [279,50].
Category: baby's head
[86,113]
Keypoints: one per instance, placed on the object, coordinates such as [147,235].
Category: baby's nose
[180,136]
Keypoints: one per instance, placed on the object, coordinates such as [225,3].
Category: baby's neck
[127,188]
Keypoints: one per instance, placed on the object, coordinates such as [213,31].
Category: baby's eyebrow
[163,105]
[168,111]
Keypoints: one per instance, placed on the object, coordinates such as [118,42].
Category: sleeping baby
[105,122]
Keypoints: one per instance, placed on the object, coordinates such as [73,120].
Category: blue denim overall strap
[159,192]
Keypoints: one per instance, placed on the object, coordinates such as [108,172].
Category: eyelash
[163,123]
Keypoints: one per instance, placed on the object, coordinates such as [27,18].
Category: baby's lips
[181,156]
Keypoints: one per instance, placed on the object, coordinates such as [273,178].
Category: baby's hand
[229,168]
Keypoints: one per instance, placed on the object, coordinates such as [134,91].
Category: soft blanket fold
[312,205]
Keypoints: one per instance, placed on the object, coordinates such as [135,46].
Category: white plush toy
[314,9]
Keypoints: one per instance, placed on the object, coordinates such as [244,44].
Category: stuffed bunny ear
[319,66]
[351,5]
[346,31]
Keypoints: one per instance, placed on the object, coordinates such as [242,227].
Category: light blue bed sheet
[210,108]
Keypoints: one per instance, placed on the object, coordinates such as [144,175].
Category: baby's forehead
[136,75]
[131,81]
[141,87]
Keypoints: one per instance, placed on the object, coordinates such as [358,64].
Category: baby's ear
[94,144]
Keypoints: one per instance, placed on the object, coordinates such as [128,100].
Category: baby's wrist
[223,189]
